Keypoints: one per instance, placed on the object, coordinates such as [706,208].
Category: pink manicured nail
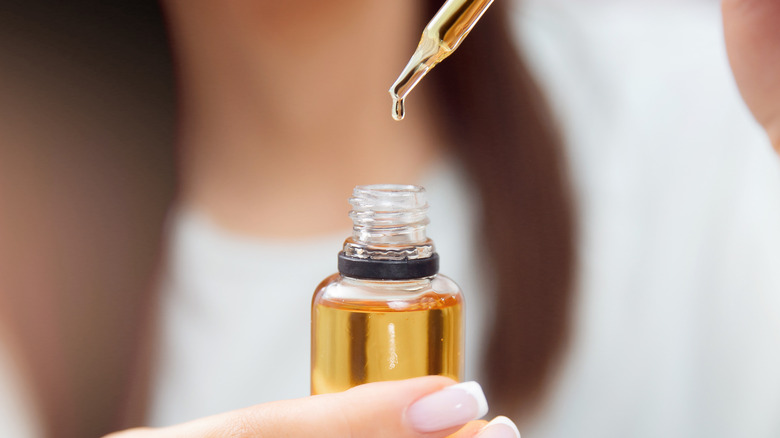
[452,406]
[500,427]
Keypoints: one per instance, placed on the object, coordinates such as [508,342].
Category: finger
[753,42]
[469,430]
[499,427]
[425,407]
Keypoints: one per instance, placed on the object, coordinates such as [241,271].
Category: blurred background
[676,189]
[86,177]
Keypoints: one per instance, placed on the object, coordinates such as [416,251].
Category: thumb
[429,407]
[753,42]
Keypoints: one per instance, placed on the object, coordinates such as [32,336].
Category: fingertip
[474,389]
[499,427]
[452,406]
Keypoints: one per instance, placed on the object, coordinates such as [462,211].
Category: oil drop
[399,109]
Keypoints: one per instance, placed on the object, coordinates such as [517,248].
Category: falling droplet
[398,109]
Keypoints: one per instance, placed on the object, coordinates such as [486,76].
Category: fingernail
[499,427]
[452,406]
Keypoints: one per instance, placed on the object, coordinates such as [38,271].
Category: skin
[286,104]
[374,410]
[753,43]
[280,106]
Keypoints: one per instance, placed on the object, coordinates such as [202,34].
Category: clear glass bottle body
[388,314]
[370,330]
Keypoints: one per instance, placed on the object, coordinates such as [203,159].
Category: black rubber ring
[370,269]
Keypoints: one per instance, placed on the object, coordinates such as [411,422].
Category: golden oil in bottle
[388,314]
[440,38]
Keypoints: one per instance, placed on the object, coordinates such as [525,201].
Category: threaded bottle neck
[388,240]
[389,214]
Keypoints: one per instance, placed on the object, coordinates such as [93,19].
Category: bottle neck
[409,234]
[389,238]
[361,250]
[389,215]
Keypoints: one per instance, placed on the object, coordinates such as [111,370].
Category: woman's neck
[284,109]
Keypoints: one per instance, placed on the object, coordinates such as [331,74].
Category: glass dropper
[440,38]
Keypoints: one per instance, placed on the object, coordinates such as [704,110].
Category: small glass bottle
[387,314]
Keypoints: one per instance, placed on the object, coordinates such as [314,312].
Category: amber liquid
[364,341]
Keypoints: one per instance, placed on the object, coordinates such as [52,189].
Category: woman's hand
[752,30]
[427,407]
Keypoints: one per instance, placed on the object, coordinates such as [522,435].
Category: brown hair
[502,131]
[87,189]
